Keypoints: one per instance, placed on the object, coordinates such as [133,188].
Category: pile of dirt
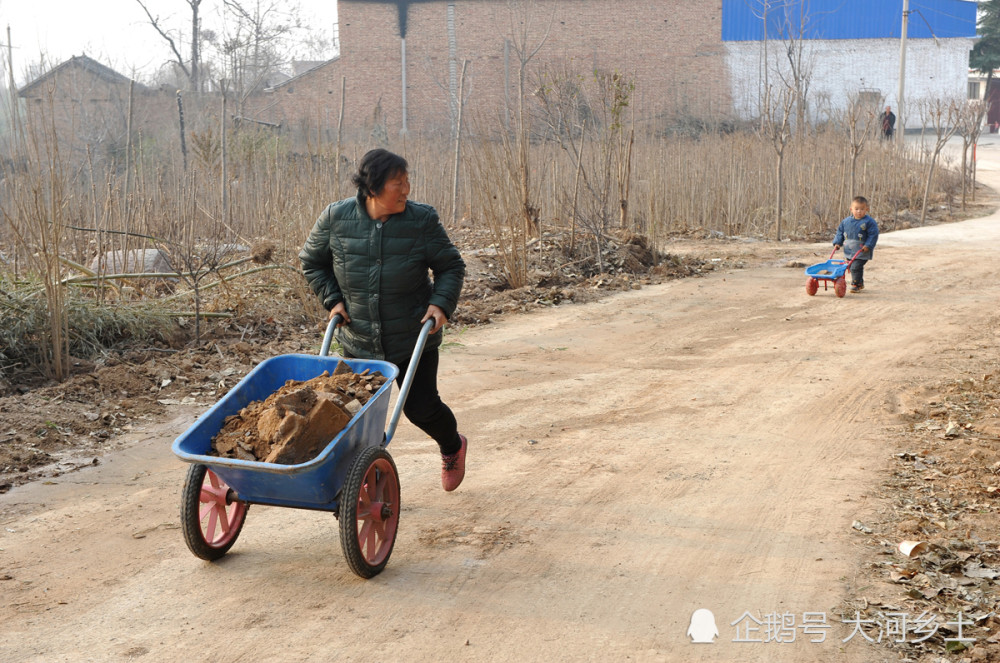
[296,422]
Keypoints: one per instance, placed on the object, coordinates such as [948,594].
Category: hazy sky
[114,32]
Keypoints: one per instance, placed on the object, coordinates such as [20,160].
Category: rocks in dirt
[295,423]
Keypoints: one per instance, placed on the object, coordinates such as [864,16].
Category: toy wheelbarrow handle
[832,253]
[411,369]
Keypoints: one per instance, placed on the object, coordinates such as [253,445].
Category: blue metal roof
[743,20]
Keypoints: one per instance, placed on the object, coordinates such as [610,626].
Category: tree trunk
[195,83]
[180,116]
[854,172]
[779,172]
[340,132]
[458,144]
[927,188]
[965,171]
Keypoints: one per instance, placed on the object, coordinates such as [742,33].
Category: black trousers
[424,407]
[858,271]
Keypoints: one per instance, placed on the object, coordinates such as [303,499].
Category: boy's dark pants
[858,271]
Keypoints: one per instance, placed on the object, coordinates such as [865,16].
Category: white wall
[842,67]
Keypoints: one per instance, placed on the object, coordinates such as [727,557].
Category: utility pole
[13,88]
[900,113]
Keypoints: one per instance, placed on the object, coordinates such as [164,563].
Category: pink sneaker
[453,467]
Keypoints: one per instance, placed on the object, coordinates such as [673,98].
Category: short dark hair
[860,199]
[375,168]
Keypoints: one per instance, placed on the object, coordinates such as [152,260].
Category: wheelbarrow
[831,271]
[353,476]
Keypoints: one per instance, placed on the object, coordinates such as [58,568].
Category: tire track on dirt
[701,444]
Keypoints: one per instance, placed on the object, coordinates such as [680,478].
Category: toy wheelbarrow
[353,476]
[830,271]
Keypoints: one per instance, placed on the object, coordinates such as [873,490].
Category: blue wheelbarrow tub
[310,485]
[830,270]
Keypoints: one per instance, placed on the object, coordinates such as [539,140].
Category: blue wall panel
[743,20]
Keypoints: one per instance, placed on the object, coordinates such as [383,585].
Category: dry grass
[240,187]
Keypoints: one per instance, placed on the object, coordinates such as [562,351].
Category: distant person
[369,258]
[887,120]
[857,232]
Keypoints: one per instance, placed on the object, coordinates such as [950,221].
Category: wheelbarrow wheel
[812,285]
[210,516]
[369,511]
[840,286]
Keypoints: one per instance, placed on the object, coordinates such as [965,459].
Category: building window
[974,90]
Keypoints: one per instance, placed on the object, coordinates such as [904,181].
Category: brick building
[401,62]
[672,50]
[87,104]
[85,101]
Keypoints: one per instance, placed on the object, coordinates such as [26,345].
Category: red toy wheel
[812,285]
[211,517]
[369,511]
[840,286]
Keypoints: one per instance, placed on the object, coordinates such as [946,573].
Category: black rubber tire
[191,523]
[375,460]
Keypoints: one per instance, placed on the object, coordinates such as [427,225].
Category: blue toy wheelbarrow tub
[310,485]
[831,270]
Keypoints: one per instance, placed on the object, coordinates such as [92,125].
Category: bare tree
[798,76]
[499,203]
[570,103]
[775,128]
[191,70]
[944,117]
[859,120]
[253,43]
[525,45]
[970,126]
[792,21]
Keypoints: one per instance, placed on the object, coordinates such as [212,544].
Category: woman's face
[392,198]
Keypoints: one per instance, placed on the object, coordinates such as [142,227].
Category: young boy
[857,231]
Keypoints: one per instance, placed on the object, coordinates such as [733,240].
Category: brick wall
[673,50]
[82,108]
[88,112]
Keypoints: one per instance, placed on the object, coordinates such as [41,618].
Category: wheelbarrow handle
[328,337]
[411,369]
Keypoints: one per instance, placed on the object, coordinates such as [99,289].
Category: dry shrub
[71,206]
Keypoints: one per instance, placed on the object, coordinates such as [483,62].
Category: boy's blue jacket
[853,233]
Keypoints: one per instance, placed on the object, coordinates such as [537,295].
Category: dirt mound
[293,424]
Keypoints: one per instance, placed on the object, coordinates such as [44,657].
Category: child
[857,231]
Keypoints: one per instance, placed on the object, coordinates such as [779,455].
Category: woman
[367,258]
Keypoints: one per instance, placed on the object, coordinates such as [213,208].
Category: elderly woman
[368,258]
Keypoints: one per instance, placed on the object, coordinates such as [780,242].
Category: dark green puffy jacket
[380,271]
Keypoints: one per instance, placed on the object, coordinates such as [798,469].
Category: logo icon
[702,628]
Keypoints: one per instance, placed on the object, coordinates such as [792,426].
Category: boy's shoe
[857,288]
[453,467]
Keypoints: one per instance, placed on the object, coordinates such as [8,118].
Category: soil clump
[297,421]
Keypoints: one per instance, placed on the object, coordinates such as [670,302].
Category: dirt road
[701,444]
